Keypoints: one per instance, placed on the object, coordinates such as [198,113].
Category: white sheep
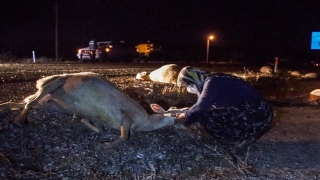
[310,76]
[295,74]
[266,70]
[165,74]
[314,97]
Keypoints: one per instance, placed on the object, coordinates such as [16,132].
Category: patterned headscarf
[192,75]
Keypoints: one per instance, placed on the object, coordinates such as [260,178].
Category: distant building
[144,49]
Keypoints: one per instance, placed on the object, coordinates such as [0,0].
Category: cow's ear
[157,108]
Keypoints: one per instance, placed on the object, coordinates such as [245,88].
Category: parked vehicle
[117,51]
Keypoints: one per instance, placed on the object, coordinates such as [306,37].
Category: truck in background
[107,51]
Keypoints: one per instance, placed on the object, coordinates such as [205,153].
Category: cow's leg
[124,130]
[32,101]
[90,125]
[45,89]
[9,105]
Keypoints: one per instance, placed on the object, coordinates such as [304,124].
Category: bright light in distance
[211,37]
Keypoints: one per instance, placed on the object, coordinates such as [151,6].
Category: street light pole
[208,42]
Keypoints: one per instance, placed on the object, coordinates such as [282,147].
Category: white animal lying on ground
[310,76]
[93,98]
[295,74]
[314,96]
[266,70]
[306,76]
[166,74]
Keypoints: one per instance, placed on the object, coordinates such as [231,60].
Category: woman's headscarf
[192,75]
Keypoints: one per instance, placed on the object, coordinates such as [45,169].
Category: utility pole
[56,33]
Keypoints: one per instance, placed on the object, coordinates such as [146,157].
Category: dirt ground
[57,146]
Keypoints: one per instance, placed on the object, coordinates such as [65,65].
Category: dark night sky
[278,27]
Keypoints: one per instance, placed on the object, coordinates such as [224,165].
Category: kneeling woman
[228,107]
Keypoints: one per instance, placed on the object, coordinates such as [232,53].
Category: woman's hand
[180,118]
